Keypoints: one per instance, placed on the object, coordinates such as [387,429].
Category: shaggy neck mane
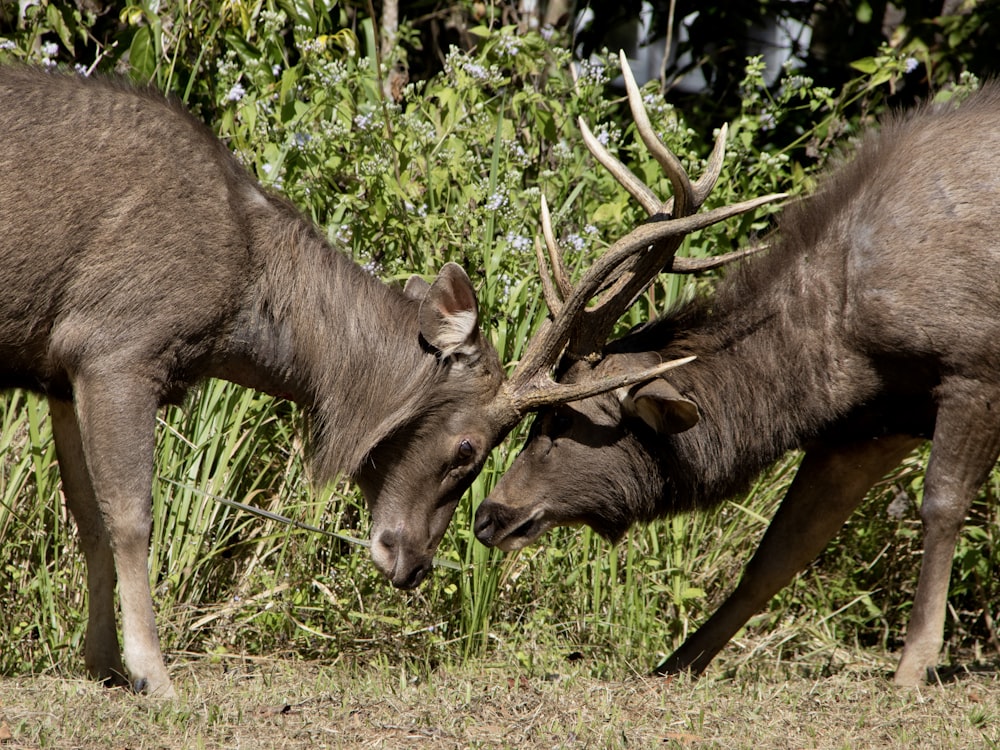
[773,369]
[327,334]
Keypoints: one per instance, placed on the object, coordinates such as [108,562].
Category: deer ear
[416,287]
[449,313]
[662,407]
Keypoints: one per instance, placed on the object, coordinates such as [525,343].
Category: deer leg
[829,485]
[117,420]
[102,654]
[965,447]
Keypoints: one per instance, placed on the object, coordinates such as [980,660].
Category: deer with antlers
[871,325]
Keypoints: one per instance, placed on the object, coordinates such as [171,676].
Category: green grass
[229,582]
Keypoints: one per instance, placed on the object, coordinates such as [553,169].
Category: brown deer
[137,257]
[871,324]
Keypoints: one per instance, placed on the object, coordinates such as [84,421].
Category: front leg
[117,420]
[828,486]
[965,447]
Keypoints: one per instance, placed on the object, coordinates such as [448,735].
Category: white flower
[343,235]
[509,45]
[364,121]
[518,243]
[496,201]
[516,150]
[476,71]
[236,92]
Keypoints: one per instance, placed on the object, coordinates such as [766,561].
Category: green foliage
[934,44]
[452,171]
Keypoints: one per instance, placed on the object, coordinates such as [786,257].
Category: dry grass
[291,705]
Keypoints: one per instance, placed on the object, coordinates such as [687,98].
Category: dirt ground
[265,703]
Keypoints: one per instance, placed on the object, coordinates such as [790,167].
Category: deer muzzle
[400,561]
[508,528]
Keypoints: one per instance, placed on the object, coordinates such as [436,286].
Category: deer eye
[560,423]
[465,453]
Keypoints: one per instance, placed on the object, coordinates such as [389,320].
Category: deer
[869,325]
[138,258]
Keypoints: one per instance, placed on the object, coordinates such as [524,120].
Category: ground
[263,703]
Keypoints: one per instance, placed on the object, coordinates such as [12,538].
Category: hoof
[114,679]
[165,690]
[913,677]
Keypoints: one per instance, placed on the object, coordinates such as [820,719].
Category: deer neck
[773,371]
[319,330]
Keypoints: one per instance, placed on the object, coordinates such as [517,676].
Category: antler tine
[531,387]
[546,346]
[625,177]
[697,265]
[687,198]
[704,184]
[701,189]
[551,392]
[638,189]
[684,199]
[552,298]
[558,266]
[620,274]
[619,294]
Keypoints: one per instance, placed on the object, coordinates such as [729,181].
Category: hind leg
[965,448]
[102,654]
[829,485]
[116,414]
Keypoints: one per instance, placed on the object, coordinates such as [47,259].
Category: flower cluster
[509,46]
[518,242]
[463,70]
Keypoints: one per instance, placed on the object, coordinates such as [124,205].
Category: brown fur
[873,323]
[137,257]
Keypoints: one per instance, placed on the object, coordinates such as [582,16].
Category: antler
[621,274]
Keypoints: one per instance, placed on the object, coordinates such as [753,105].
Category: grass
[227,582]
[253,702]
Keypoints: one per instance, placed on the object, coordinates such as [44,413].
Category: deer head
[577,332]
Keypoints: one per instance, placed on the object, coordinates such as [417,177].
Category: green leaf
[866,65]
[142,54]
[483,32]
[58,24]
[545,123]
[607,212]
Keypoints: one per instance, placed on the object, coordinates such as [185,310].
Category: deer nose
[403,568]
[485,526]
